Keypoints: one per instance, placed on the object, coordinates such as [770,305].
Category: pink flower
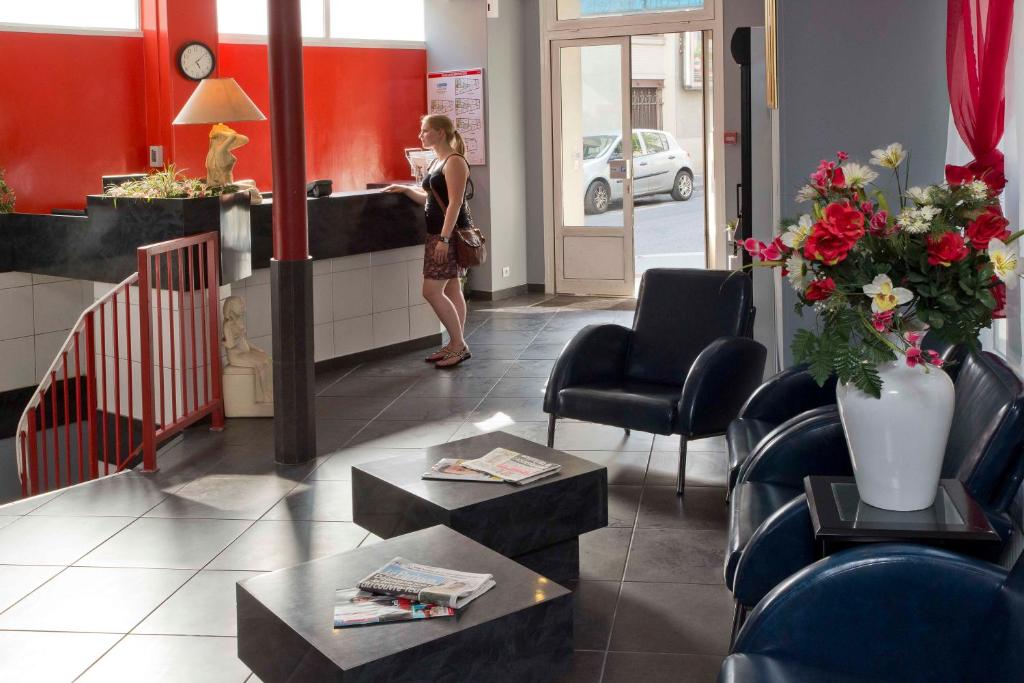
[913,338]
[868,208]
[880,223]
[914,357]
[843,156]
[762,251]
[882,321]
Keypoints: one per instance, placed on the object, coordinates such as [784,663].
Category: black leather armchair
[686,366]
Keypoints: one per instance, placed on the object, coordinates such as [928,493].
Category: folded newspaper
[451,469]
[515,468]
[422,583]
[353,607]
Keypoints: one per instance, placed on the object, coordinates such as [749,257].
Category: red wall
[78,112]
[71,110]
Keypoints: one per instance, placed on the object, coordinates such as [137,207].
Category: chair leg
[627,431]
[551,430]
[738,617]
[681,475]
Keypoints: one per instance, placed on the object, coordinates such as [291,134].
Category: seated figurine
[245,397]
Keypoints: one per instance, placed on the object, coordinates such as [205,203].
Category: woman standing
[443,194]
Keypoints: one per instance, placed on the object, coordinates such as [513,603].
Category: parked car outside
[659,165]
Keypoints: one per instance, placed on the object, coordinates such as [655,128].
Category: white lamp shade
[217,100]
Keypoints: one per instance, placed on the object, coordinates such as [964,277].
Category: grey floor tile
[593,604]
[518,409]
[332,435]
[404,434]
[623,502]
[27,505]
[531,368]
[350,407]
[403,367]
[360,386]
[317,500]
[586,436]
[121,495]
[603,554]
[170,659]
[205,606]
[703,468]
[261,463]
[541,352]
[624,467]
[525,323]
[676,618]
[586,668]
[669,443]
[703,507]
[94,599]
[339,466]
[18,581]
[32,655]
[497,351]
[481,367]
[450,384]
[676,556]
[420,409]
[519,387]
[626,667]
[532,431]
[554,336]
[4,521]
[225,496]
[166,543]
[55,540]
[485,336]
[271,545]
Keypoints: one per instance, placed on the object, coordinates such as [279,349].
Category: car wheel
[682,188]
[598,197]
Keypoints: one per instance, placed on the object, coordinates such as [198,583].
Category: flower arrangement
[166,184]
[876,279]
[6,195]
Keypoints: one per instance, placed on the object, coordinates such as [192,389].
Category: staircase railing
[140,364]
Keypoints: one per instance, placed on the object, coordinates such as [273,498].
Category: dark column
[291,269]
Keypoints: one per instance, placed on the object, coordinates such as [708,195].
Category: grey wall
[531,42]
[736,13]
[855,76]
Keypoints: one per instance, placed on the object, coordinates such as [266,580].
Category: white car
[659,165]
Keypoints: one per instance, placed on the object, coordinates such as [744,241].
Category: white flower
[890,157]
[858,175]
[797,272]
[796,235]
[919,220]
[807,194]
[1005,261]
[978,189]
[885,297]
[919,195]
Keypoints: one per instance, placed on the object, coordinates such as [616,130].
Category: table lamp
[215,101]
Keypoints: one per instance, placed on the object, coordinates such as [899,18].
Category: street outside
[667,233]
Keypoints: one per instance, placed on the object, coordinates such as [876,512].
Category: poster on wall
[460,96]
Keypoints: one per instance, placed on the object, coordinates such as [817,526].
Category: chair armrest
[880,612]
[596,354]
[781,546]
[720,380]
[812,443]
[790,392]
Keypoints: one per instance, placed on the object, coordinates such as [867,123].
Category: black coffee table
[841,518]
[520,630]
[537,525]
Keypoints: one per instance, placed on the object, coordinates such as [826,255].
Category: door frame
[714,121]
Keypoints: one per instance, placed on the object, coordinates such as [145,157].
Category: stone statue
[242,354]
[220,162]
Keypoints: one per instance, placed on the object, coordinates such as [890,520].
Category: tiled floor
[131,578]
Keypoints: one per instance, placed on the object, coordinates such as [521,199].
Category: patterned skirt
[445,270]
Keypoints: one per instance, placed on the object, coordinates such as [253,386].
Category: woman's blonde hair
[444,124]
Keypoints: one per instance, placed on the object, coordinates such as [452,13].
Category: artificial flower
[880,223]
[796,235]
[947,249]
[987,226]
[916,356]
[828,174]
[842,156]
[918,195]
[834,235]
[882,321]
[797,271]
[762,251]
[999,294]
[858,175]
[958,175]
[890,157]
[885,297]
[979,190]
[807,194]
[919,220]
[1005,261]
[819,290]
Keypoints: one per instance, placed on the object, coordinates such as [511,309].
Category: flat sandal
[462,355]
[437,355]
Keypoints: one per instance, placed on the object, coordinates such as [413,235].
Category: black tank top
[434,180]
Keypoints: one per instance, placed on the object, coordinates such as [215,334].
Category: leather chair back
[678,313]
[984,450]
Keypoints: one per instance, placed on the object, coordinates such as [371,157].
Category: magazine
[405,579]
[515,468]
[354,607]
[451,469]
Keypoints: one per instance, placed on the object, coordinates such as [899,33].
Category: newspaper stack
[402,590]
[454,469]
[515,468]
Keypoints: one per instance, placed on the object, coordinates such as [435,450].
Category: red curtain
[977,45]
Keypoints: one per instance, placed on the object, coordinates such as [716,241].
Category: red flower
[880,223]
[819,290]
[916,356]
[986,226]
[946,250]
[958,175]
[843,156]
[838,178]
[882,321]
[999,292]
[993,176]
[835,234]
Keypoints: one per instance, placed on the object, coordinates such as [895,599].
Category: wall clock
[195,61]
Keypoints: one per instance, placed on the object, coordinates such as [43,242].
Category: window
[655,142]
[396,20]
[249,17]
[577,9]
[103,15]
[638,151]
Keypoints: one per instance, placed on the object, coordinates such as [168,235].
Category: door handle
[642,163]
[672,156]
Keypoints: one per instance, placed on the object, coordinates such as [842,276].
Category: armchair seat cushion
[742,436]
[752,503]
[643,406]
[742,668]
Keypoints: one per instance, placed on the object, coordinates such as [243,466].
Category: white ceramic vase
[897,442]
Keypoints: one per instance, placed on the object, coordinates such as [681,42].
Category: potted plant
[7,196]
[876,279]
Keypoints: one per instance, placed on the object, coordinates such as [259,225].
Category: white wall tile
[323,294]
[47,346]
[17,363]
[323,341]
[402,254]
[423,321]
[390,287]
[258,320]
[414,271]
[16,313]
[321,266]
[390,327]
[56,305]
[15,279]
[353,335]
[352,293]
[353,262]
[43,279]
[260,276]
[265,343]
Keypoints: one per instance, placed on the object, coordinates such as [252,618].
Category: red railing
[97,408]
